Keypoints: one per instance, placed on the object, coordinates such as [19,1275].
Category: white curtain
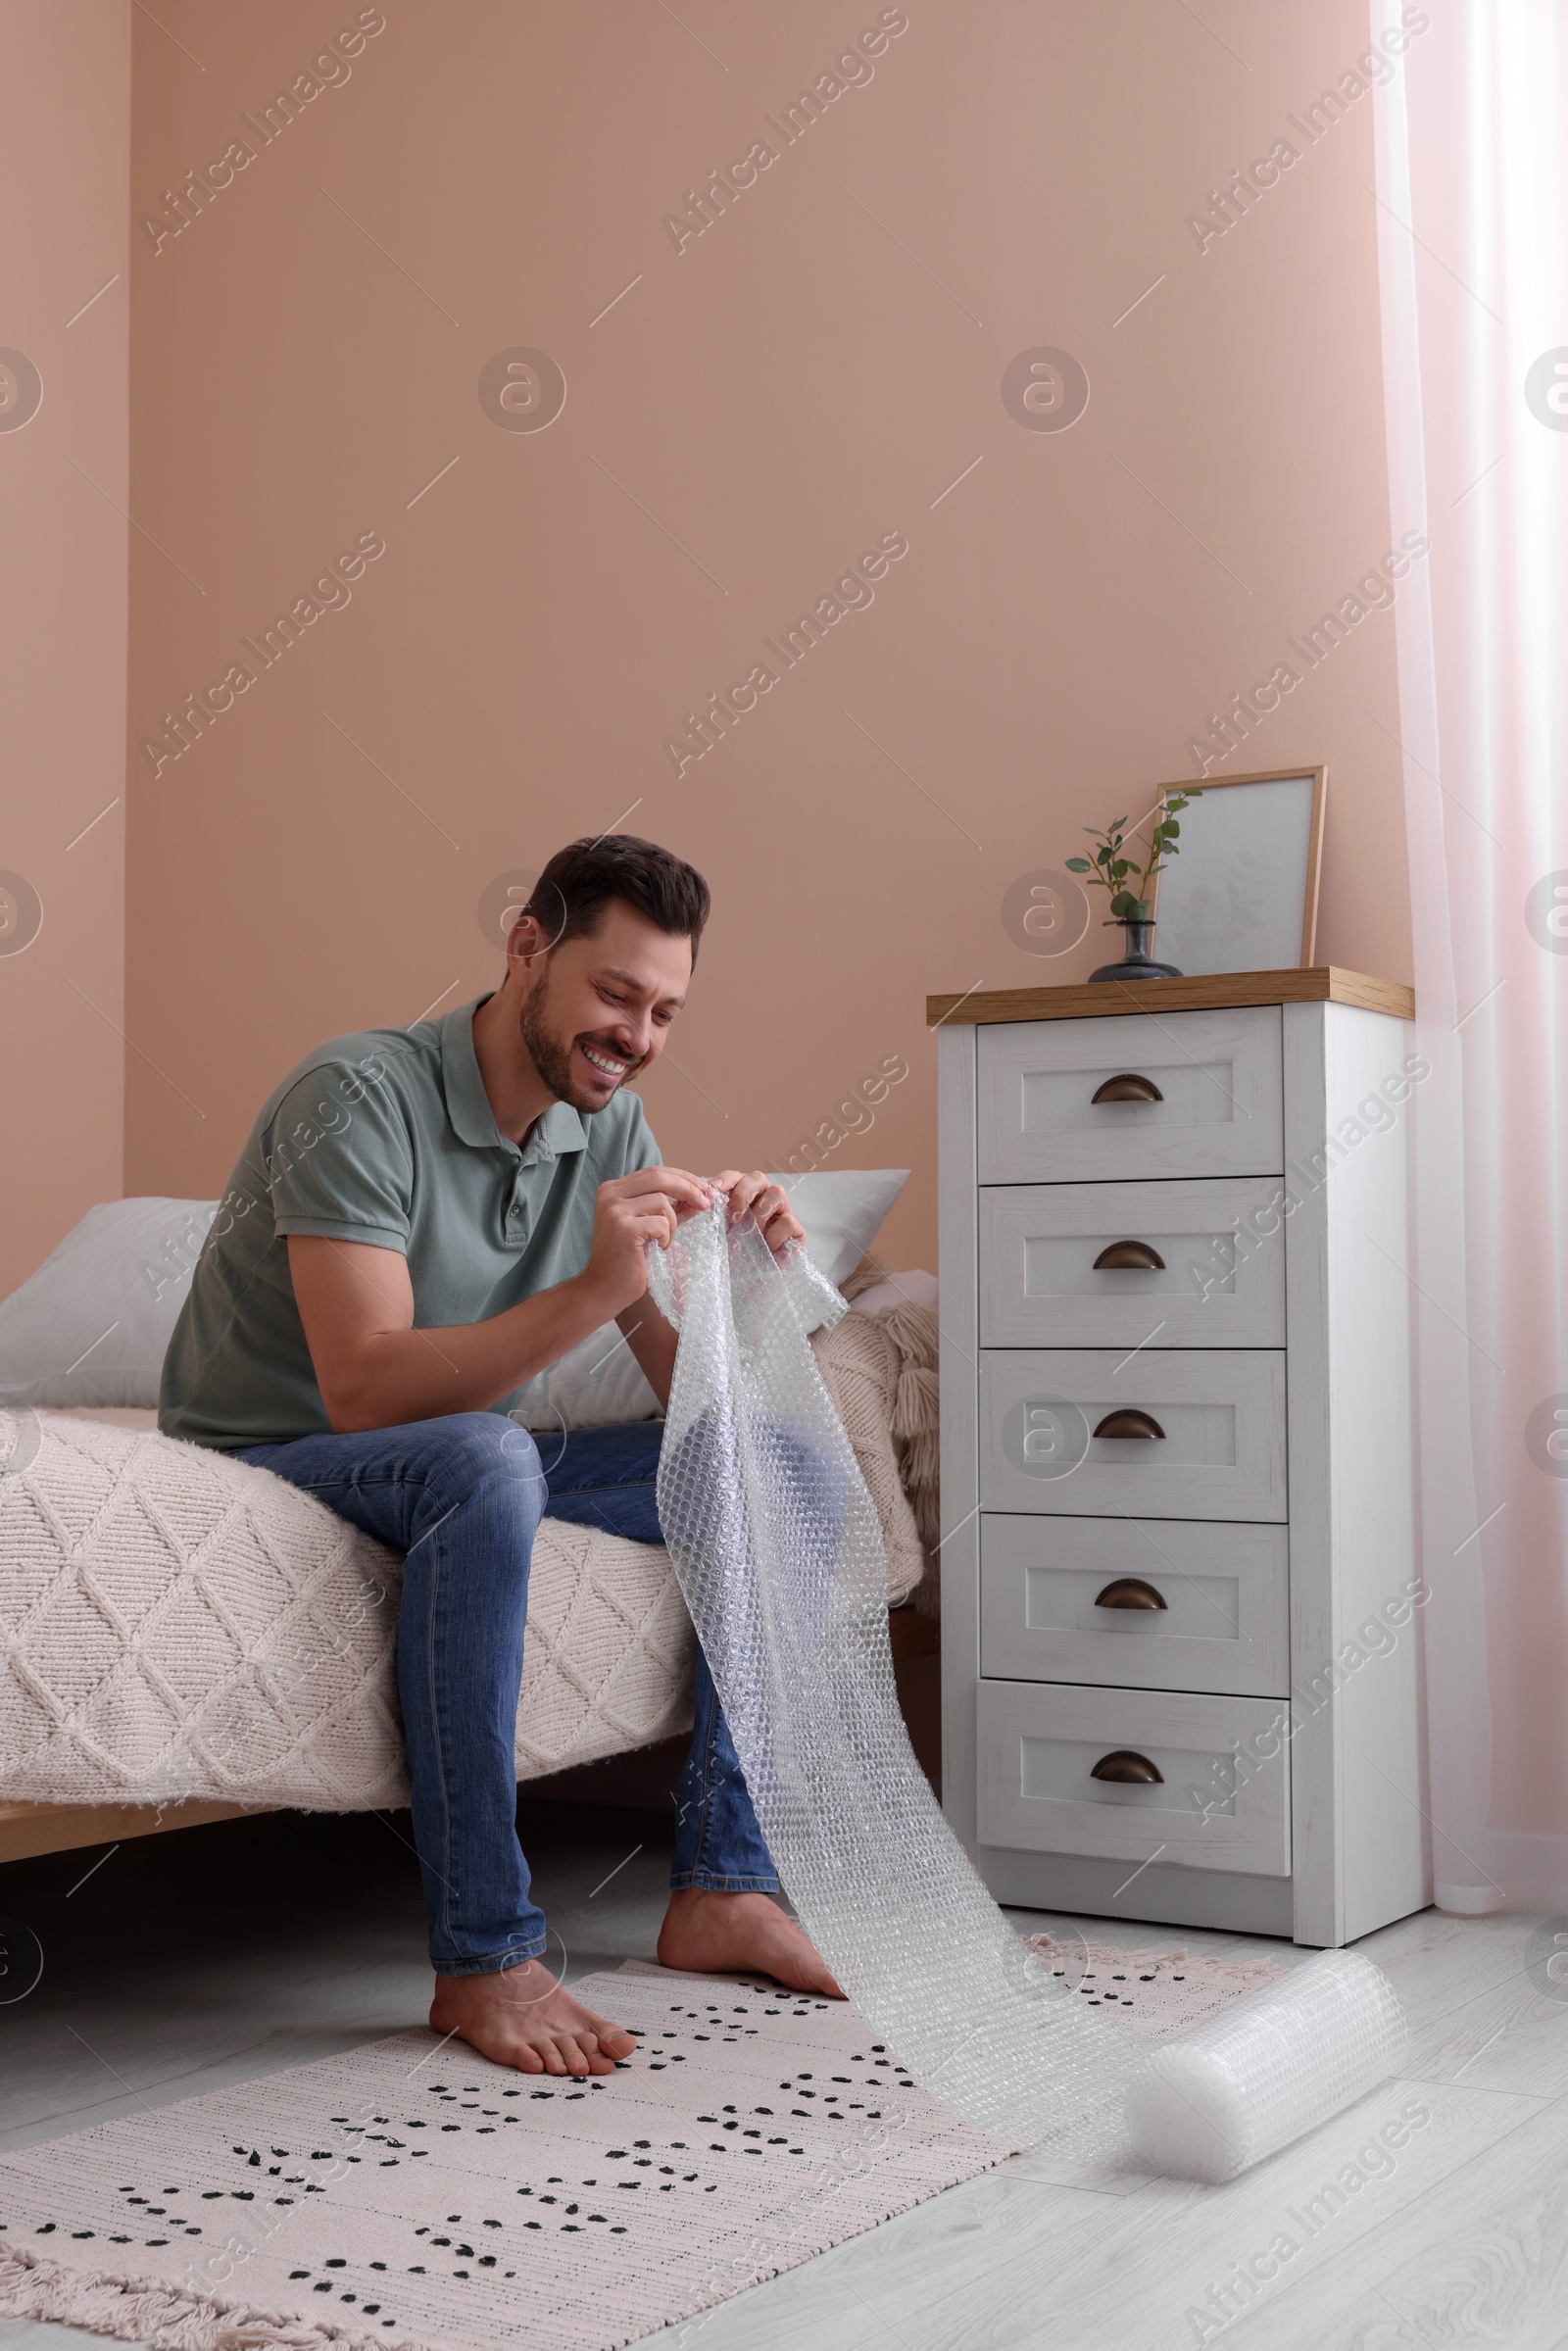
[1472,213]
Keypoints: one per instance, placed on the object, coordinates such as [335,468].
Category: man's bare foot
[524,2017]
[717,1934]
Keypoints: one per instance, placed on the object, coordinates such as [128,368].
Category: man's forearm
[653,1342]
[406,1375]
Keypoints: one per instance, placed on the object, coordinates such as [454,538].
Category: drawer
[1040,1285]
[1220,1453]
[1216,1075]
[1225,1625]
[1210,1809]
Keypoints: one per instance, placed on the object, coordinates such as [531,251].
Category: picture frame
[1242,893]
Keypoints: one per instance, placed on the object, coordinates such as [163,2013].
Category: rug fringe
[150,2311]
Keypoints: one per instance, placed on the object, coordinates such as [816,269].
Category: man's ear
[526,946]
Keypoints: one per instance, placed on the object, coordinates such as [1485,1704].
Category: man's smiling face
[598,1009]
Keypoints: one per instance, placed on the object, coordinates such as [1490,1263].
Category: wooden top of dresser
[1216,991]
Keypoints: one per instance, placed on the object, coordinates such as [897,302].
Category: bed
[184,1636]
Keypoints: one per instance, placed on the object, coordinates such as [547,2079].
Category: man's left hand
[769,1202]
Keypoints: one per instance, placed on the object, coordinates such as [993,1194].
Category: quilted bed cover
[174,1624]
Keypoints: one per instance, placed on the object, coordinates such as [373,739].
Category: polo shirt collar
[557,1131]
[551,1137]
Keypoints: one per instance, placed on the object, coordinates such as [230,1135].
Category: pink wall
[65,142]
[810,373]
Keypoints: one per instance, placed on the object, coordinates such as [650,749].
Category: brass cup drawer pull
[1129,1424]
[1128,1769]
[1129,1256]
[1130,1592]
[1128,1087]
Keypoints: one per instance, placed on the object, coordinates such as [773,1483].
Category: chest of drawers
[1180,1594]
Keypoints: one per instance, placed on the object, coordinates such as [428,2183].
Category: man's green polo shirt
[386,1137]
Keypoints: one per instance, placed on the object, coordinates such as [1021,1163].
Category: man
[420,1221]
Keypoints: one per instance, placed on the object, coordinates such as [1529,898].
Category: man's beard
[552,1057]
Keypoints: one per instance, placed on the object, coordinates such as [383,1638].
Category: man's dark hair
[569,898]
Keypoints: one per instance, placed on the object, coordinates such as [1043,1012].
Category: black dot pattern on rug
[140,2206]
[1110,1990]
[841,2097]
[451,2252]
[712,2021]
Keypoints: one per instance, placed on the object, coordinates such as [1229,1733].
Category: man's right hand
[650,1204]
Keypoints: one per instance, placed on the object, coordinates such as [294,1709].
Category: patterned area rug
[752,2129]
[1160,1992]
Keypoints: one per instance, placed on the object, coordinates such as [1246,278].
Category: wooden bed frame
[29,1828]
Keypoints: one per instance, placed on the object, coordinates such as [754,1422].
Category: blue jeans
[461,1498]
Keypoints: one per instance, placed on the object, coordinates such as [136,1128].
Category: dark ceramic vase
[1138,964]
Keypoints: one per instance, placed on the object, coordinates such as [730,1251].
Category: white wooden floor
[190,1961]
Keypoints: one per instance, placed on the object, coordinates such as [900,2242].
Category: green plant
[1133,905]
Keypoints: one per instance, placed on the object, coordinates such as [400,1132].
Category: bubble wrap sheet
[778,1549]
[780,1555]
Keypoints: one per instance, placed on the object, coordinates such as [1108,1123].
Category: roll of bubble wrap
[1280,2062]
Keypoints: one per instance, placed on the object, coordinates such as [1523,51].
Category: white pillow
[90,1327]
[842,1212]
[600,1384]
